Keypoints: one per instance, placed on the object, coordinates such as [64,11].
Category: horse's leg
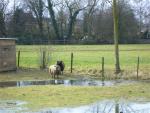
[54,76]
[49,71]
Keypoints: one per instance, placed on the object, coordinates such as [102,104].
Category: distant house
[7,54]
[145,33]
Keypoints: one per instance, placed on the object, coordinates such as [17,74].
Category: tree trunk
[71,23]
[116,36]
[61,30]
[48,31]
[70,28]
[41,19]
[40,24]
[54,22]
[89,26]
[2,25]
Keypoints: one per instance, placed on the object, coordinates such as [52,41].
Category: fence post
[44,60]
[18,62]
[103,76]
[138,64]
[71,62]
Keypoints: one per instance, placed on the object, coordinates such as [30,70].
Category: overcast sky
[136,4]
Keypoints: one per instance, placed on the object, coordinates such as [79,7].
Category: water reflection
[58,82]
[12,106]
[99,107]
[105,107]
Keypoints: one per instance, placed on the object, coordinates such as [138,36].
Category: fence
[41,41]
[85,62]
[63,41]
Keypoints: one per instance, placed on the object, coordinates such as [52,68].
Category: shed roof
[8,39]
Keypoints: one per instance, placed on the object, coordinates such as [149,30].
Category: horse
[62,66]
[55,70]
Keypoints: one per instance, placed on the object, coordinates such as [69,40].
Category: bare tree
[95,6]
[90,12]
[74,7]
[3,6]
[116,35]
[37,7]
[53,18]
[141,9]
[62,19]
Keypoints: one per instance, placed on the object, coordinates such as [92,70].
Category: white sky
[136,4]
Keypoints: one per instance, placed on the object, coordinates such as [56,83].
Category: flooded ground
[63,82]
[11,106]
[107,106]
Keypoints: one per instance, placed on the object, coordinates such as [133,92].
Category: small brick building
[7,54]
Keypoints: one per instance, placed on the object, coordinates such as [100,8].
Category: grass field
[87,60]
[39,97]
[87,57]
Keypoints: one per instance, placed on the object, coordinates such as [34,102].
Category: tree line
[82,21]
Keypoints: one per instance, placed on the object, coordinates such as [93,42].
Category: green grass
[38,97]
[87,56]
[87,59]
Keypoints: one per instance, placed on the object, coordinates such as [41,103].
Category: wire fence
[85,62]
[41,41]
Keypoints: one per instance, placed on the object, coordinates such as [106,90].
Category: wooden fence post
[18,62]
[103,76]
[44,60]
[138,65]
[71,62]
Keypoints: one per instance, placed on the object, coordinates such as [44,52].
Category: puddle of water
[62,82]
[107,106]
[11,106]
[104,107]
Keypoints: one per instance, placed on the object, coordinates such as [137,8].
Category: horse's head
[61,64]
